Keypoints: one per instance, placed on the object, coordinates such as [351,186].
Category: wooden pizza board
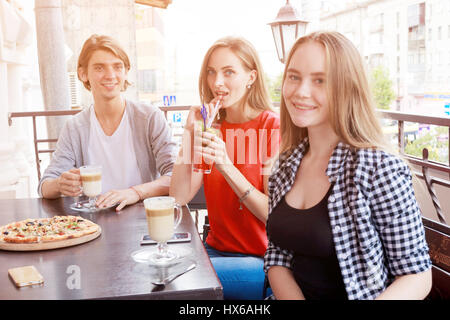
[49,245]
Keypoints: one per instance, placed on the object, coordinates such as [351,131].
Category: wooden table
[101,268]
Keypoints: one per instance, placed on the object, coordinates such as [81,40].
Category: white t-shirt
[115,154]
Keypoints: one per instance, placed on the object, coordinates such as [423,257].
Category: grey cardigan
[155,150]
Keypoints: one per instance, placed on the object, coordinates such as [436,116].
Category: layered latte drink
[160,218]
[91,180]
[163,216]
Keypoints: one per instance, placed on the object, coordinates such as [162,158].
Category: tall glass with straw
[201,164]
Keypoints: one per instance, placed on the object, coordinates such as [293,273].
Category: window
[412,33]
[376,38]
[376,60]
[421,56]
[147,80]
[377,23]
[416,33]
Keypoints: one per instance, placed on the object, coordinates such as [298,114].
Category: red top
[249,145]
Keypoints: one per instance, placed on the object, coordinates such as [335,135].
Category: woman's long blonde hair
[257,96]
[352,110]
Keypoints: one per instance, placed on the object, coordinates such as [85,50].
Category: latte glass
[91,182]
[163,216]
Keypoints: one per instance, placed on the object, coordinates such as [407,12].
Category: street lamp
[286,28]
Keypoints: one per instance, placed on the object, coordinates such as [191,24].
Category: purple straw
[204,114]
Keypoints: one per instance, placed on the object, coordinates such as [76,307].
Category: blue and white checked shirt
[375,219]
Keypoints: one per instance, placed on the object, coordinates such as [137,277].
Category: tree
[274,86]
[381,87]
[436,141]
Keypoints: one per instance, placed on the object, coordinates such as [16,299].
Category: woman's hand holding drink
[204,133]
[202,164]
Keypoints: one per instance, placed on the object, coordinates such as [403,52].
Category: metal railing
[400,117]
[422,119]
[37,141]
[424,163]
[35,114]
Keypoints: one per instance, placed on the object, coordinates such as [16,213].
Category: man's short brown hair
[101,42]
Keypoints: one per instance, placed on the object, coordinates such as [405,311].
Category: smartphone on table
[177,237]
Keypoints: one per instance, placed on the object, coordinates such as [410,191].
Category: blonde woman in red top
[236,188]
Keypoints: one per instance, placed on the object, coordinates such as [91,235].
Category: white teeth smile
[302,107]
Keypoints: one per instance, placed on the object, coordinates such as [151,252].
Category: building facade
[15,39]
[150,47]
[410,38]
[82,18]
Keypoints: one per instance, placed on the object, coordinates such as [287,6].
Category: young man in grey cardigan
[130,140]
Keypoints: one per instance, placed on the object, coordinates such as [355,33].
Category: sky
[193,26]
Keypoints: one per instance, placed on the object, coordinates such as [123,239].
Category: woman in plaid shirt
[343,219]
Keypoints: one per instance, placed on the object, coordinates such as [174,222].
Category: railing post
[38,165]
[401,136]
[429,184]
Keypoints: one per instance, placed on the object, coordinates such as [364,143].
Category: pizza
[52,229]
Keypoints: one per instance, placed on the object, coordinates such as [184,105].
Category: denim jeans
[242,276]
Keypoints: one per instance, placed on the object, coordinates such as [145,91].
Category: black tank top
[308,234]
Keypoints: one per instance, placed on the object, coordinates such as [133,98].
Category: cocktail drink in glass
[201,164]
